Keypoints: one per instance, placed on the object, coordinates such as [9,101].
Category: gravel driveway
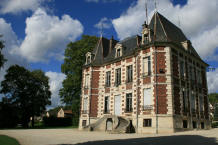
[73,136]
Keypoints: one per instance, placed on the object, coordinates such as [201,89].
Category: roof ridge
[158,14]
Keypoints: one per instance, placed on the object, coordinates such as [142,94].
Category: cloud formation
[17,6]
[212,81]
[104,1]
[47,36]
[197,19]
[55,83]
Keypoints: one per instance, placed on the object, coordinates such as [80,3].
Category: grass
[6,140]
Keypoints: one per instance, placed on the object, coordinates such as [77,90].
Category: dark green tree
[215,113]
[72,68]
[213,99]
[28,91]
[2,59]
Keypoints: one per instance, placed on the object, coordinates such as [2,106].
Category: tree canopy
[72,68]
[2,59]
[28,91]
[213,99]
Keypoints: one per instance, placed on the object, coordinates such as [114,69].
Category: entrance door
[117,105]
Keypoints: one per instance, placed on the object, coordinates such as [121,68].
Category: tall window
[87,81]
[118,54]
[88,59]
[106,104]
[118,77]
[85,104]
[193,102]
[184,100]
[147,98]
[146,66]
[129,73]
[190,73]
[181,66]
[201,102]
[108,79]
[193,73]
[129,102]
[199,77]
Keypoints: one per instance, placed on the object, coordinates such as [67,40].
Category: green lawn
[6,140]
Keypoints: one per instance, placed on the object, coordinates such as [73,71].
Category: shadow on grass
[164,140]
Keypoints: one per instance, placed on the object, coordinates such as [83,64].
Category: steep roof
[164,30]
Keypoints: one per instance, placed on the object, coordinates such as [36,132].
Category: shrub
[215,125]
[55,121]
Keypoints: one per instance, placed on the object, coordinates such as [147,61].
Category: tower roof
[165,31]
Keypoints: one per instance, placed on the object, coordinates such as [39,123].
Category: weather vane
[155,5]
[146,9]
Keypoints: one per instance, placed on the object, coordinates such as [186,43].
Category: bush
[214,125]
[55,121]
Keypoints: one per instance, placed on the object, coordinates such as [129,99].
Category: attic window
[118,52]
[88,58]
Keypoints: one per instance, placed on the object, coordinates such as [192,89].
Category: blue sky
[36,32]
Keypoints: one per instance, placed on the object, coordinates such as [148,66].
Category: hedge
[55,121]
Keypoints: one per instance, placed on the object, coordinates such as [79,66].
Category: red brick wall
[161,88]
[94,98]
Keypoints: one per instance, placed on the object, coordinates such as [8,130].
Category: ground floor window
[84,123]
[129,102]
[194,125]
[185,124]
[147,123]
[202,125]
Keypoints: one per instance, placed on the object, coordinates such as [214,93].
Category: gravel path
[73,136]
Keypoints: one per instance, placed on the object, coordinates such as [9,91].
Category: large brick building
[151,83]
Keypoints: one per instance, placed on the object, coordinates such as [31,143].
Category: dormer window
[118,50]
[88,58]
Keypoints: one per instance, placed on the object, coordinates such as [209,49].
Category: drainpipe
[90,92]
[156,90]
[137,96]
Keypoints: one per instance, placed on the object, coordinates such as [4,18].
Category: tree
[213,99]
[28,91]
[216,113]
[72,68]
[2,59]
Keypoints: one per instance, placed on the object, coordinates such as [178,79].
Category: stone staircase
[115,123]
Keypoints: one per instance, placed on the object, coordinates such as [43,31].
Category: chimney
[111,44]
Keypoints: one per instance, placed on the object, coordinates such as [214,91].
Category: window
[88,59]
[185,124]
[118,77]
[146,66]
[129,73]
[194,125]
[108,79]
[129,102]
[199,77]
[106,105]
[87,81]
[84,123]
[202,125]
[147,122]
[193,102]
[184,101]
[118,52]
[193,73]
[190,73]
[85,104]
[147,98]
[181,66]
[201,102]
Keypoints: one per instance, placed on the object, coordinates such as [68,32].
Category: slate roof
[162,30]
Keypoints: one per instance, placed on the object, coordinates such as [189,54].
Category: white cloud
[104,1]
[47,36]
[11,42]
[55,83]
[212,81]
[16,6]
[198,20]
[104,23]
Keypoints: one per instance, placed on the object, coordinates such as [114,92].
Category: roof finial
[155,5]
[146,9]
[101,30]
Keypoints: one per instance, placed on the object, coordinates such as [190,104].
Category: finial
[101,31]
[146,10]
[155,5]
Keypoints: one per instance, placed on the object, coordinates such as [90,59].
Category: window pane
[147,98]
